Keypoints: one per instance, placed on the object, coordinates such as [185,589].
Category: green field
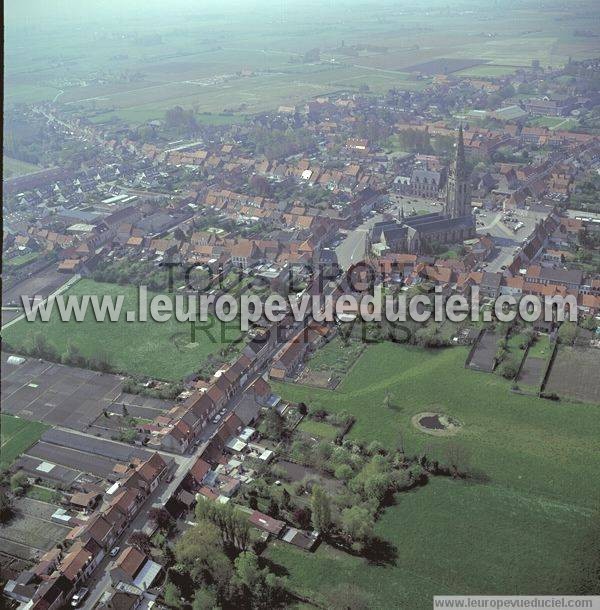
[248,58]
[513,533]
[43,494]
[554,122]
[486,70]
[450,538]
[13,167]
[17,435]
[520,441]
[162,350]
[22,260]
[541,348]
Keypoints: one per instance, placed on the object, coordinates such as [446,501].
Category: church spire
[460,165]
[458,198]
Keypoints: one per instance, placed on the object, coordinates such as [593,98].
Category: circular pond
[436,423]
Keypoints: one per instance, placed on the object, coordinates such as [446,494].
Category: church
[417,234]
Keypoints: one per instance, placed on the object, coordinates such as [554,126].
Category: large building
[422,233]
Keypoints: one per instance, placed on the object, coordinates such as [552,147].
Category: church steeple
[458,196]
[460,164]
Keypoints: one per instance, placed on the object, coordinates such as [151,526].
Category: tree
[302,516]
[274,424]
[172,595]
[19,483]
[200,553]
[178,234]
[273,508]
[509,368]
[567,333]
[247,569]
[42,348]
[376,485]
[387,401]
[6,507]
[205,599]
[141,541]
[161,517]
[400,442]
[231,523]
[321,510]
[456,457]
[358,523]
[343,472]
[73,355]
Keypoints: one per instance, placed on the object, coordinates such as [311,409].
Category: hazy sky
[27,12]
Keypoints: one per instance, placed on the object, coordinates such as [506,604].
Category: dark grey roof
[562,276]
[95,446]
[435,223]
[491,280]
[247,409]
[425,175]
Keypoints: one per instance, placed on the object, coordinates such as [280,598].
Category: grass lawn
[318,429]
[554,122]
[450,538]
[16,436]
[22,260]
[43,494]
[541,348]
[158,349]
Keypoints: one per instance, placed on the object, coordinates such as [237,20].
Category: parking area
[66,396]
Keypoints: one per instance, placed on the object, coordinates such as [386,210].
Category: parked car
[79,597]
[216,419]
[115,551]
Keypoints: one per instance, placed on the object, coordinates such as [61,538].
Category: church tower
[458,192]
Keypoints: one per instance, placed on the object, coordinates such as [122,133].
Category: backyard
[329,364]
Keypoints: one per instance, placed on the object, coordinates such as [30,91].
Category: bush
[19,483]
[508,369]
